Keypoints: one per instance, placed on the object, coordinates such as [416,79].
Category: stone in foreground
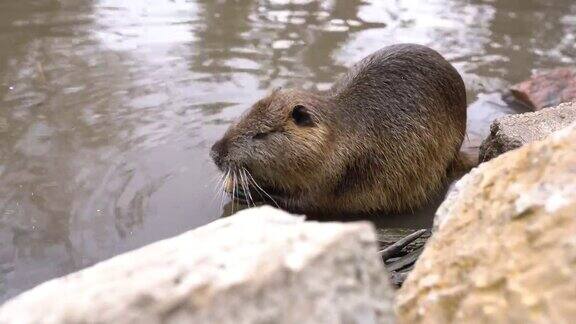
[547,89]
[511,132]
[505,248]
[261,265]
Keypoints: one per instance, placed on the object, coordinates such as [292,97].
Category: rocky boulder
[259,266]
[546,89]
[505,248]
[512,131]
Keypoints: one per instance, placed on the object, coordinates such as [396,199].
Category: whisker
[260,188]
[242,183]
[218,186]
[249,189]
[233,189]
[216,177]
[249,194]
[223,189]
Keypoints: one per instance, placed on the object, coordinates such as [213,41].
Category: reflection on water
[108,107]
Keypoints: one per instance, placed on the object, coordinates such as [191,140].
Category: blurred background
[108,108]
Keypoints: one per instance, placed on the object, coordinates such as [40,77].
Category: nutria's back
[382,139]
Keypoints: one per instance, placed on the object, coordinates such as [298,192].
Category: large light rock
[259,266]
[505,249]
[513,131]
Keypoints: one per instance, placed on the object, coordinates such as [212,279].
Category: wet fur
[385,136]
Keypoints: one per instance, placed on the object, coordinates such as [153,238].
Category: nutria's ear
[301,116]
[274,90]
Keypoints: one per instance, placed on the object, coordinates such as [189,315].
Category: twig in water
[395,248]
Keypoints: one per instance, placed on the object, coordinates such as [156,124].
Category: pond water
[108,108]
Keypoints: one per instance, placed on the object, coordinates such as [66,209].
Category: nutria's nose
[218,152]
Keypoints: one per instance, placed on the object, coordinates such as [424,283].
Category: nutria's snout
[218,153]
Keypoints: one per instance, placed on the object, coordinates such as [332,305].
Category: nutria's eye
[301,116]
[259,136]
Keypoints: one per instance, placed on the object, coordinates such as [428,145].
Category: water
[108,108]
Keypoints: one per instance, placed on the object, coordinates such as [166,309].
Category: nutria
[383,139]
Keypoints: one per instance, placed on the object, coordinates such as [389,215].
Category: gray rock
[261,265]
[511,132]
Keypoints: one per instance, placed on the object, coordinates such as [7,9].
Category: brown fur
[383,139]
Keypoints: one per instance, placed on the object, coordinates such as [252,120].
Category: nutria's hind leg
[462,163]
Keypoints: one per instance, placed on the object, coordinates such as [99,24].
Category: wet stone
[511,132]
[546,89]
